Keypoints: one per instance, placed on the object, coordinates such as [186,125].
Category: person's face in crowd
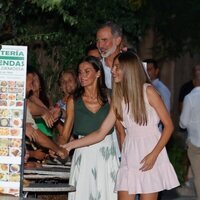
[36,83]
[117,73]
[68,83]
[87,74]
[95,53]
[152,71]
[29,83]
[106,42]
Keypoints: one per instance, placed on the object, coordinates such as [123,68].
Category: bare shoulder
[150,90]
[152,95]
[70,103]
[70,100]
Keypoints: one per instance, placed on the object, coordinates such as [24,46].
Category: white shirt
[29,118]
[107,72]
[190,116]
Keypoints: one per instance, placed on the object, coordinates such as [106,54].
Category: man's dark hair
[90,47]
[116,30]
[152,61]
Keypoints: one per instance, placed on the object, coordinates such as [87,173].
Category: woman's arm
[95,136]
[69,121]
[37,110]
[157,103]
[120,133]
[37,101]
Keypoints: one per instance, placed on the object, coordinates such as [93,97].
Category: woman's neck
[90,93]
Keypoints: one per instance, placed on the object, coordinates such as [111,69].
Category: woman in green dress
[94,168]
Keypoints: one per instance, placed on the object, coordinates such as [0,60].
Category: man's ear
[118,40]
[157,72]
[98,74]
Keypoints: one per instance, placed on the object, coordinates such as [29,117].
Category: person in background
[39,92]
[188,187]
[67,82]
[32,131]
[108,41]
[35,105]
[39,97]
[190,120]
[94,167]
[153,72]
[145,167]
[185,89]
[92,50]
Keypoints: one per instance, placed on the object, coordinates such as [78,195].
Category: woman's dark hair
[91,47]
[102,91]
[42,94]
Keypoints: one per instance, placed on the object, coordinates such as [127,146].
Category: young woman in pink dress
[145,167]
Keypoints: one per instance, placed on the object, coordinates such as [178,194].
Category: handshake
[61,155]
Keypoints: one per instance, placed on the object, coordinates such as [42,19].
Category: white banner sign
[13,64]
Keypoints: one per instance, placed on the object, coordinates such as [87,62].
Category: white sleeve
[186,113]
[29,119]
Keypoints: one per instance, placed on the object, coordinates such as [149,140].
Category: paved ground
[172,195]
[165,195]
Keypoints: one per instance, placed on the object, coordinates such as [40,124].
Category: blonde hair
[130,89]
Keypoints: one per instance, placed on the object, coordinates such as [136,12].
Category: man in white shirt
[108,40]
[190,119]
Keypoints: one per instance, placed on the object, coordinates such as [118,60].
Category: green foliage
[67,25]
[70,25]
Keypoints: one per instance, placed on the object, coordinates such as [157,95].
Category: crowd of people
[115,113]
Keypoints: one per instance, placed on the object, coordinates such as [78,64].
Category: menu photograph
[13,63]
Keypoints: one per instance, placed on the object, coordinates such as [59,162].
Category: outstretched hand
[62,153]
[31,133]
[148,162]
[56,112]
[67,146]
[48,118]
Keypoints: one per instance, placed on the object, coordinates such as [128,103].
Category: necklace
[90,97]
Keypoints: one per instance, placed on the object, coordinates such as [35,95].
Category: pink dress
[140,141]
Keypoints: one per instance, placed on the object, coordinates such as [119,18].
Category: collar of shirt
[196,90]
[155,81]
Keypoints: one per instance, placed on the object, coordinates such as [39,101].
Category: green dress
[86,121]
[94,168]
[43,127]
